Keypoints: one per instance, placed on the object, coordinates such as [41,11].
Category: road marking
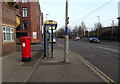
[103,51]
[108,49]
[61,45]
[85,46]
[99,73]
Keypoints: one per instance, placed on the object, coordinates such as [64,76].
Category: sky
[78,9]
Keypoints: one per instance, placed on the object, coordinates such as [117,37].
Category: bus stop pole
[52,44]
[45,42]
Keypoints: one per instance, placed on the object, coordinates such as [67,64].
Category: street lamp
[98,31]
[66,43]
[46,16]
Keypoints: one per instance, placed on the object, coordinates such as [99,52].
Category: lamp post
[98,31]
[46,16]
[66,43]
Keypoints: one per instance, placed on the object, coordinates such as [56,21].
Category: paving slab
[13,70]
[52,70]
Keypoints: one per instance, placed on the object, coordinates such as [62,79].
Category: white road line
[103,51]
[61,45]
[85,46]
[108,49]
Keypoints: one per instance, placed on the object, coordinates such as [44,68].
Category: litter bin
[25,46]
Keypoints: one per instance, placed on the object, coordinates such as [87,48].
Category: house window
[8,33]
[24,12]
[24,1]
[24,25]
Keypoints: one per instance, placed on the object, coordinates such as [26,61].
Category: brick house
[10,20]
[31,21]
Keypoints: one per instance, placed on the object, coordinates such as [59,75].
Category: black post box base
[26,59]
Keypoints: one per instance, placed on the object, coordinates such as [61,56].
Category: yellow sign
[52,22]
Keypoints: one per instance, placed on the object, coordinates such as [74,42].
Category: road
[101,55]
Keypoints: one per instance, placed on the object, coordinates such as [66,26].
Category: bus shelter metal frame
[49,25]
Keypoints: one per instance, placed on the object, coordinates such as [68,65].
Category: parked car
[94,40]
[76,38]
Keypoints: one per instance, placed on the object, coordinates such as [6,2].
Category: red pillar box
[25,46]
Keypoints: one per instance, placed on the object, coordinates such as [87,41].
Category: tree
[60,33]
[70,33]
[98,27]
[76,28]
[83,26]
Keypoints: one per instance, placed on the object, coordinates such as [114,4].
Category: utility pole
[0,41]
[66,42]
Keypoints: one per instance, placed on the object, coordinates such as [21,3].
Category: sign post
[45,44]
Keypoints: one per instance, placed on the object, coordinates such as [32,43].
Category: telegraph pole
[66,42]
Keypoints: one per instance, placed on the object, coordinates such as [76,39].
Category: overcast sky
[79,9]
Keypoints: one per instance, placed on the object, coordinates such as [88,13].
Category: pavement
[13,70]
[46,70]
[56,70]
